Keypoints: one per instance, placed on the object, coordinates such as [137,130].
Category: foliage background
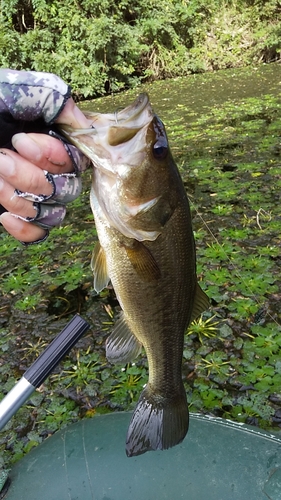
[101,46]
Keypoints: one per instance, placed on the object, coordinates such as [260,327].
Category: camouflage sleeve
[30,102]
[30,95]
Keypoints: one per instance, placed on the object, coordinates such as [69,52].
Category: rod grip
[53,354]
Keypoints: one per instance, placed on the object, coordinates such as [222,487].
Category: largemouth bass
[146,248]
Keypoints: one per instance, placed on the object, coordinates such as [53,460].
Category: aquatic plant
[203,328]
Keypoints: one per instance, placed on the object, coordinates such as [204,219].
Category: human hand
[38,172]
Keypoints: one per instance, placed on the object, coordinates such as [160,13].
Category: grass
[229,157]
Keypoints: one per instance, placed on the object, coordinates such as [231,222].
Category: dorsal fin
[201,303]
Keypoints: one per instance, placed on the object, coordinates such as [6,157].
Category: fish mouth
[115,138]
[128,121]
[122,125]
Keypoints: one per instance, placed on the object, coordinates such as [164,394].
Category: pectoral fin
[143,261]
[99,268]
[201,303]
[140,208]
[122,346]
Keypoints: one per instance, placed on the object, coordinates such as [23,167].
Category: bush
[104,46]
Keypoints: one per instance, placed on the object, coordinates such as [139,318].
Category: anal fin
[122,346]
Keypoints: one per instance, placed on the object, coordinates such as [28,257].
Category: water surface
[191,95]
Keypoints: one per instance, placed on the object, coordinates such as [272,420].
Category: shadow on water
[224,131]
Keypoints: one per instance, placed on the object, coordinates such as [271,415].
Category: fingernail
[20,229]
[31,148]
[7,165]
[11,221]
[1,215]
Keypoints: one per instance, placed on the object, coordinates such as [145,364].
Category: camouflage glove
[31,102]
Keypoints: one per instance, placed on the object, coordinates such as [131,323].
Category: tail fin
[157,423]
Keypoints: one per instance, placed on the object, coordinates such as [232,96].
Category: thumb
[72,115]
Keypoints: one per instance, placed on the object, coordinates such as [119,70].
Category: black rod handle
[53,354]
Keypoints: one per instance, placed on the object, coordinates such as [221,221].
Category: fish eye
[159,152]
[160,147]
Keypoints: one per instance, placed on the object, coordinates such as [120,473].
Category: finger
[14,203]
[21,230]
[44,151]
[72,115]
[22,174]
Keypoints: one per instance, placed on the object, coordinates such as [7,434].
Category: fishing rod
[41,368]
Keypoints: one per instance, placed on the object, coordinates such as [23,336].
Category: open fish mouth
[131,116]
[130,120]
[115,140]
[120,126]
